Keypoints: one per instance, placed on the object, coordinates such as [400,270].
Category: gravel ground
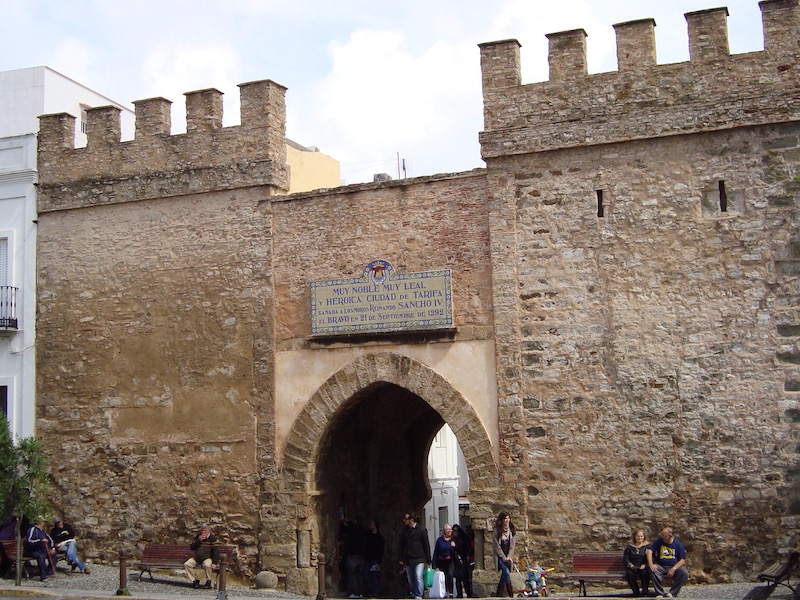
[105,580]
[727,591]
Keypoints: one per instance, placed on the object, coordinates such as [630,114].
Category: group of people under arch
[453,555]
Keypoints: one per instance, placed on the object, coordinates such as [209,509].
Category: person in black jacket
[39,545]
[206,553]
[469,537]
[374,557]
[64,539]
[463,551]
[415,553]
[635,557]
[355,541]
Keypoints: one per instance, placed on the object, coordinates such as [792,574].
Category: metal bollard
[321,595]
[222,592]
[123,575]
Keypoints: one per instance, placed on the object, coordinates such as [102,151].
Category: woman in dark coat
[461,559]
[635,557]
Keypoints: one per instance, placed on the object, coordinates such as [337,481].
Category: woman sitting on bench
[636,571]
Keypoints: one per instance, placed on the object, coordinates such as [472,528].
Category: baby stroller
[536,582]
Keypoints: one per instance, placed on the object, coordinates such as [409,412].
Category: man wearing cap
[206,553]
[39,545]
[64,538]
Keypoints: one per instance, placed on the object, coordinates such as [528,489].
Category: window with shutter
[3,261]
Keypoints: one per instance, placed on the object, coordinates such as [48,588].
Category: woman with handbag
[444,557]
[503,545]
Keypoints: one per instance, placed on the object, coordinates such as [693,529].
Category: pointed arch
[301,452]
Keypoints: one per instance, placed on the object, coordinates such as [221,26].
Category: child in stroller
[536,583]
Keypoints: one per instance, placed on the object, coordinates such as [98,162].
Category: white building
[449,481]
[25,94]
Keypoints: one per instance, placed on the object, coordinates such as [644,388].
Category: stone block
[266,580]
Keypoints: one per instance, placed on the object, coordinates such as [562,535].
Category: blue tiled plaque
[382,300]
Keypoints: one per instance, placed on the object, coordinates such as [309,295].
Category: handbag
[427,577]
[438,589]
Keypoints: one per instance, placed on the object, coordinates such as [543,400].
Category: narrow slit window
[600,208]
[723,198]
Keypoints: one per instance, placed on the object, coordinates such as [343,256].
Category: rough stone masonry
[626,341]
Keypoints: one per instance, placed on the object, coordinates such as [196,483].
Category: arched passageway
[373,465]
[362,442]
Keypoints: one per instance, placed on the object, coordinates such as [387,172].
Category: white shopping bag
[438,589]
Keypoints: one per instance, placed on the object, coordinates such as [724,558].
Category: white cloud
[380,98]
[75,59]
[530,23]
[171,70]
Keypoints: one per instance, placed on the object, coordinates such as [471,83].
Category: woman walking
[503,544]
[445,556]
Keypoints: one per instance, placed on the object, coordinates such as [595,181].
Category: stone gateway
[625,342]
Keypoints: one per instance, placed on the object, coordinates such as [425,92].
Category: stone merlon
[155,163]
[642,99]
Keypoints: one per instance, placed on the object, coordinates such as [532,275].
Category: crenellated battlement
[207,157]
[642,99]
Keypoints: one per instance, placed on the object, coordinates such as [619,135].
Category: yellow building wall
[311,170]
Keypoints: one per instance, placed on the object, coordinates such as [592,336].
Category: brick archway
[302,447]
[319,456]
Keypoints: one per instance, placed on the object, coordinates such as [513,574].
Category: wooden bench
[9,549]
[172,556]
[781,571]
[596,566]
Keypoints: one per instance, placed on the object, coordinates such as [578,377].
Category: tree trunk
[18,565]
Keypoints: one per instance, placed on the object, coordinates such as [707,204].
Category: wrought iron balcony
[8,308]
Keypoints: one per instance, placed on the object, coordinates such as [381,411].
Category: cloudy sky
[368,80]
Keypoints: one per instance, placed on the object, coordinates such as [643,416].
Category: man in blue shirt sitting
[667,557]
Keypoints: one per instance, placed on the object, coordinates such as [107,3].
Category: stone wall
[154,388]
[147,392]
[155,164]
[646,317]
[712,91]
[435,223]
[652,383]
